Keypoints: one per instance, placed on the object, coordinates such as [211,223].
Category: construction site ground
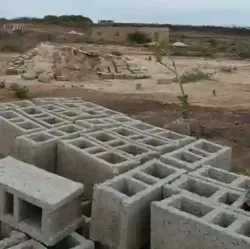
[225,117]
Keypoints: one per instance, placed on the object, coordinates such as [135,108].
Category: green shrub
[243,51]
[139,38]
[20,92]
[194,76]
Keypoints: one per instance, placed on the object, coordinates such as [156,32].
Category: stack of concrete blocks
[40,149]
[45,206]
[13,125]
[184,222]
[121,206]
[13,239]
[209,212]
[84,160]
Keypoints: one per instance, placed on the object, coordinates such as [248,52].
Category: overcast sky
[199,12]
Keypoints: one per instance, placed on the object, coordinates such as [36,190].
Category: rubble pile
[47,62]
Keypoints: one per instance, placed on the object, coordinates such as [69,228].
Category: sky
[194,12]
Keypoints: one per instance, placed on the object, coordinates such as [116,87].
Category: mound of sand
[64,63]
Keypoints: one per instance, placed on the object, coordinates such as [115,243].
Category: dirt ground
[225,116]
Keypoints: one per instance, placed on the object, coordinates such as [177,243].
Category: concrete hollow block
[86,161]
[74,241]
[45,206]
[29,244]
[121,206]
[13,125]
[196,224]
[192,156]
[38,149]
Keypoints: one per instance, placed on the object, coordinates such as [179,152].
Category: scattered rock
[45,77]
[30,75]
[10,71]
[62,78]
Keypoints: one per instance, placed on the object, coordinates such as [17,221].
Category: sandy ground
[232,89]
[225,117]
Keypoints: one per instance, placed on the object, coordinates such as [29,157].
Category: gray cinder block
[121,206]
[88,162]
[75,241]
[42,117]
[163,134]
[45,206]
[183,222]
[29,244]
[13,125]
[40,149]
[14,239]
[95,124]
[200,153]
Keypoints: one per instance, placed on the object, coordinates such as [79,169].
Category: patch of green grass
[195,76]
[21,92]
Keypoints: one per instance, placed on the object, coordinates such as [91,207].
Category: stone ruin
[77,175]
[48,62]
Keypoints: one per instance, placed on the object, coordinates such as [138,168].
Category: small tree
[162,50]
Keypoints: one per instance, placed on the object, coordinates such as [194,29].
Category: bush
[20,92]
[243,51]
[139,38]
[194,76]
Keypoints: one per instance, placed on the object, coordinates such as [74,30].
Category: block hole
[116,143]
[112,158]
[199,188]
[245,229]
[245,184]
[124,132]
[56,133]
[208,147]
[8,203]
[30,214]
[191,207]
[27,126]
[52,120]
[229,198]
[128,187]
[186,157]
[67,243]
[95,121]
[9,115]
[87,208]
[154,142]
[32,111]
[224,220]
[103,137]
[41,137]
[70,114]
[137,137]
[96,150]
[143,179]
[219,175]
[133,150]
[158,170]
[71,105]
[69,129]
[198,152]
[82,143]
